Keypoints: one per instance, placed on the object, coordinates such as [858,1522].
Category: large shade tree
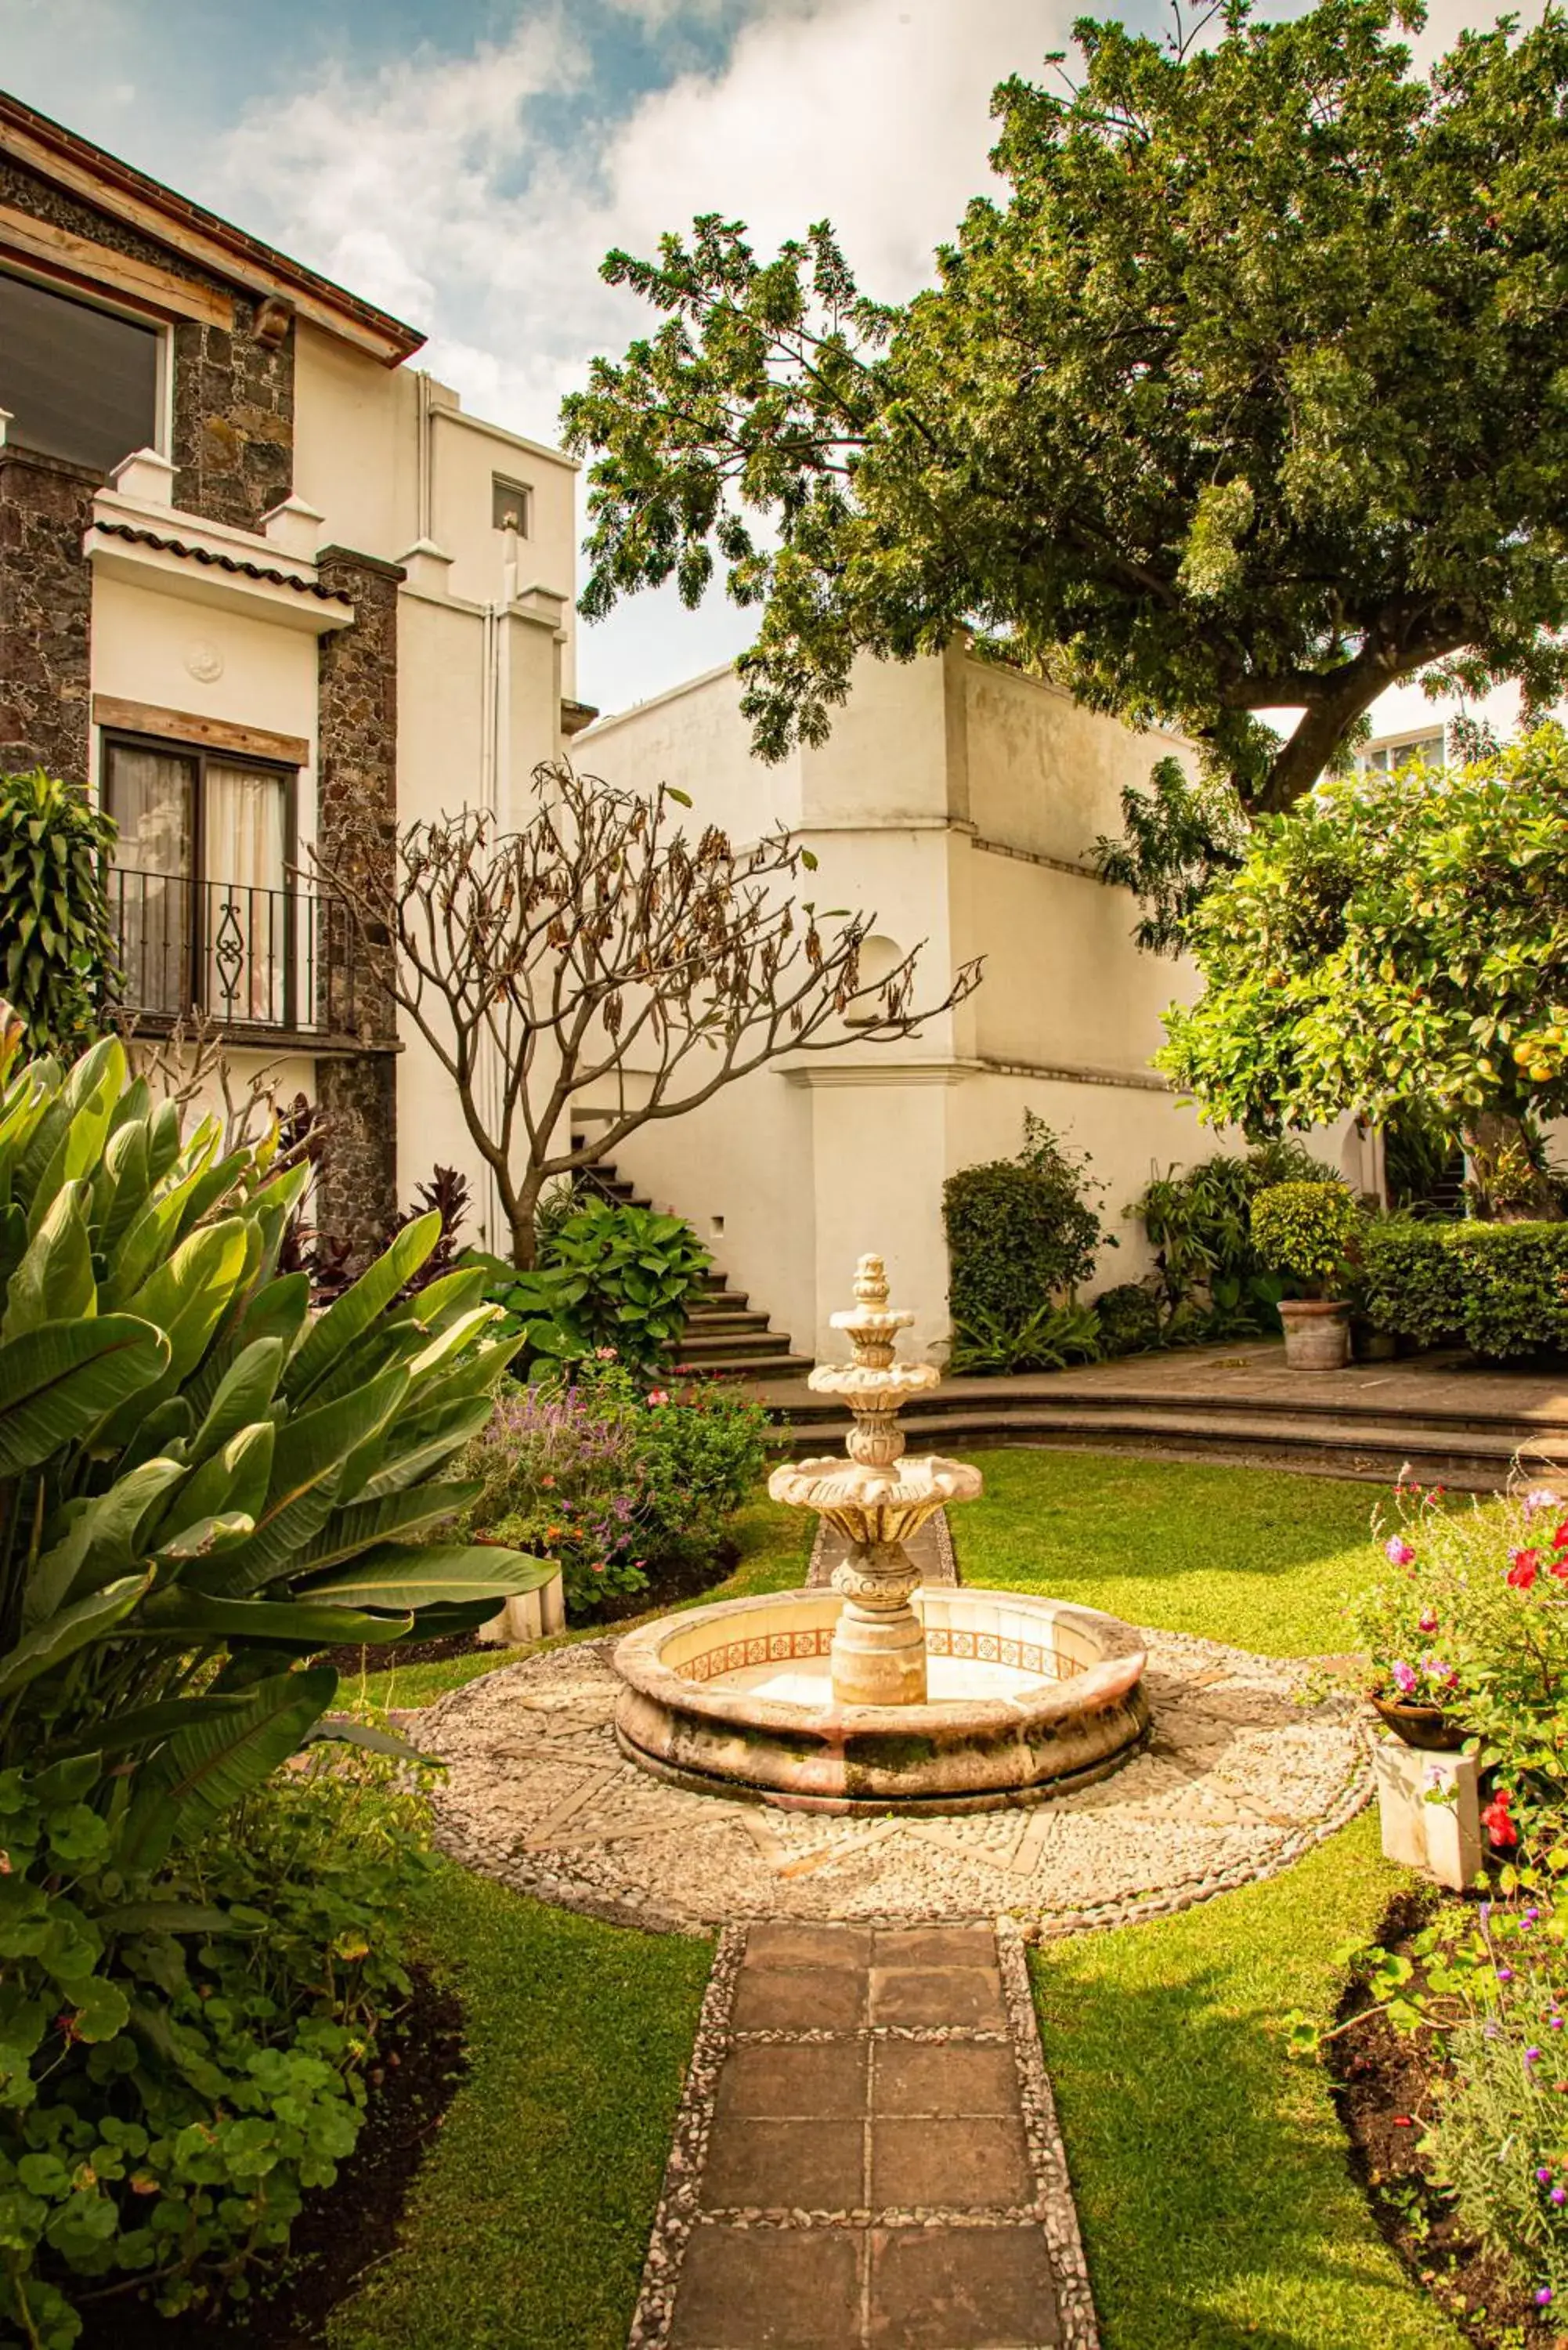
[1247,391]
[1401,943]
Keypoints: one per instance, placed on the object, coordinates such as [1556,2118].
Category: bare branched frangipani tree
[601,943]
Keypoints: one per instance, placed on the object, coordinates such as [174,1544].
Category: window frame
[89,297]
[199,756]
[502,483]
[1397,748]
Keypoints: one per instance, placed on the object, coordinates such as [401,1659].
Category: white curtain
[152,799]
[245,848]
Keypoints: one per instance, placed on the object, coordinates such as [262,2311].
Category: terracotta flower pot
[1425,1726]
[1317,1332]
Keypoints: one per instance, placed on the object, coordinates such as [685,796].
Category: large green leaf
[362,1524]
[244,1395]
[400,1575]
[99,1544]
[187,1295]
[270,1551]
[205,1770]
[121,1185]
[148,1725]
[413,1448]
[367,1734]
[321,1441]
[352,1313]
[146,1247]
[53,1282]
[72,1629]
[192,1615]
[63,1377]
[230,1483]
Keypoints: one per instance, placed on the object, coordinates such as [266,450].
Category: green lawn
[1249,1555]
[529,2219]
[1216,2202]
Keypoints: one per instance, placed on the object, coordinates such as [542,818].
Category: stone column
[46,613]
[356,815]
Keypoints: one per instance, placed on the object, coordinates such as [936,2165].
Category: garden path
[867,2155]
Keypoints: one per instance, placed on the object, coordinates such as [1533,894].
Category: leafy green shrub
[1048,1340]
[1199,1224]
[214,2073]
[1022,1236]
[1129,1319]
[1306,1230]
[1480,1979]
[58,946]
[608,1277]
[1503,1288]
[613,1483]
[200,1488]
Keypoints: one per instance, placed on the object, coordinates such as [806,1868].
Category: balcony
[266,966]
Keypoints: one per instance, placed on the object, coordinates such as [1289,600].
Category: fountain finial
[871,1282]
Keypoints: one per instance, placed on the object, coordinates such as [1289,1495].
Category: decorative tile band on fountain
[880,1694]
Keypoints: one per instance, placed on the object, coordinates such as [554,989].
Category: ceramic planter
[1425,1726]
[1317,1332]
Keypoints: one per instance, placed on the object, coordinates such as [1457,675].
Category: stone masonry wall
[45,614]
[233,399]
[357,817]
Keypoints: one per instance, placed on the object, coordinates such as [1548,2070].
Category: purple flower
[1540,1497]
[1543,2176]
[1544,2297]
[1559,2196]
[1505,1974]
[1532,2055]
[1397,1552]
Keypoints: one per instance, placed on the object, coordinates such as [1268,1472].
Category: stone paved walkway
[867,2155]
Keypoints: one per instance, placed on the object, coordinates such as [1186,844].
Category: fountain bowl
[1030,1698]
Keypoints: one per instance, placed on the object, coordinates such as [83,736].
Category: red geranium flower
[1496,1821]
[1523,1570]
[1560,1539]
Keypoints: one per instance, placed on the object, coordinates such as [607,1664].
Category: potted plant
[1406,1625]
[1307,1230]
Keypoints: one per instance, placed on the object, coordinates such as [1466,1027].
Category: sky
[467,164]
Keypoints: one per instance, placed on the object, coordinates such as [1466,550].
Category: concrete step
[724,1321]
[773,1368]
[756,1345]
[1053,1394]
[1478,1458]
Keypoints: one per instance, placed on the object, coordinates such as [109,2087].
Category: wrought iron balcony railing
[244,957]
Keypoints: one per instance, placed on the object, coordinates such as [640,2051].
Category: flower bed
[625,1489]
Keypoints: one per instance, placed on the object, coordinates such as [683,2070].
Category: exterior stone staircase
[726,1335]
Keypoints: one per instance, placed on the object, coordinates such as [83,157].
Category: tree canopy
[1248,391]
[1399,942]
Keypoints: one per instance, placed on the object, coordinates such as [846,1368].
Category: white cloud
[445,189]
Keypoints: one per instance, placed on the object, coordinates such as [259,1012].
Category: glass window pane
[244,818]
[79,382]
[151,795]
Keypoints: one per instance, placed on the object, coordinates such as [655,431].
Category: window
[205,904]
[511,507]
[1385,756]
[79,382]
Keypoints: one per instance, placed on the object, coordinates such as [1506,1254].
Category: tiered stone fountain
[881,1693]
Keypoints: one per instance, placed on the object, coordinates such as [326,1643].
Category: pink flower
[1397,1552]
[1404,1677]
[657,1396]
[1540,1497]
[1429,1622]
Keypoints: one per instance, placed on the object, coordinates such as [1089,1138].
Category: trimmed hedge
[1503,1288]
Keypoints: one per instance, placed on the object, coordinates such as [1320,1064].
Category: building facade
[267,590]
[959,803]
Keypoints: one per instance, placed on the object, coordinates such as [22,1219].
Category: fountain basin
[1029,1698]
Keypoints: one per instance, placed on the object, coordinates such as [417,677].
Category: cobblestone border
[677,2212]
[1054,2187]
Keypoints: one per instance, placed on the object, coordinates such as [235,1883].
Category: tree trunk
[524,1242]
[1506,1185]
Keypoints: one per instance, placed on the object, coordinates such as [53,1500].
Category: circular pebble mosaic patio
[1241,1775]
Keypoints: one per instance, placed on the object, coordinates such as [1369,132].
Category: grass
[529,2218]
[1215,2201]
[1248,1555]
